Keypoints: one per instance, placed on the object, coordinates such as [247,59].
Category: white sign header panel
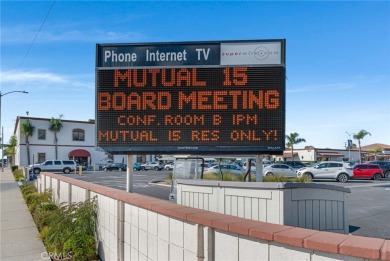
[251,53]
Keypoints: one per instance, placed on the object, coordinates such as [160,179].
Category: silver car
[279,169]
[340,171]
[225,168]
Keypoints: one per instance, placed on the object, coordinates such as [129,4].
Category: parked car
[65,166]
[169,166]
[83,167]
[279,169]
[295,164]
[384,165]
[115,166]
[152,165]
[225,168]
[136,167]
[367,171]
[340,171]
[253,166]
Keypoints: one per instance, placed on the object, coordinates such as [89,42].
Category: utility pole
[2,131]
[349,144]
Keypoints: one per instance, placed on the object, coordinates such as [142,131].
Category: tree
[293,139]
[375,151]
[55,127]
[11,148]
[359,136]
[27,129]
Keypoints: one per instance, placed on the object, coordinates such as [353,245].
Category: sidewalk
[19,240]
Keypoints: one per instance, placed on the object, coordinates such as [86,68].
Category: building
[76,140]
[312,154]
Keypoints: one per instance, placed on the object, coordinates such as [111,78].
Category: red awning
[79,153]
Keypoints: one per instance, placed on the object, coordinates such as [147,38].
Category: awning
[79,153]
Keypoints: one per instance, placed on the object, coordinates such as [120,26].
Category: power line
[36,35]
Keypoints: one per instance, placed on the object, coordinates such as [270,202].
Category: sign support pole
[129,173]
[259,168]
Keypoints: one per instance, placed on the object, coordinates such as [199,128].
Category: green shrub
[68,221]
[81,246]
[14,167]
[275,178]
[27,189]
[211,176]
[41,219]
[18,175]
[303,179]
[282,178]
[35,199]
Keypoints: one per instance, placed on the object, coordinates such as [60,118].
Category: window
[57,162]
[41,134]
[335,165]
[48,163]
[78,135]
[41,157]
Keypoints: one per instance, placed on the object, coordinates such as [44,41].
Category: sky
[337,56]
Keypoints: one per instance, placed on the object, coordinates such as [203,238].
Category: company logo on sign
[264,53]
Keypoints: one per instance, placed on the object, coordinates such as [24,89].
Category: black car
[384,165]
[115,166]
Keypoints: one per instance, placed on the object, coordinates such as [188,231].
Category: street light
[2,132]
[349,145]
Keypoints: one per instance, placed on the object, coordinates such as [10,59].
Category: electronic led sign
[226,97]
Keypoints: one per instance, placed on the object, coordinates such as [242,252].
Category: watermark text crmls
[56,256]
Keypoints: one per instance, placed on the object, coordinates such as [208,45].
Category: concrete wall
[314,206]
[137,227]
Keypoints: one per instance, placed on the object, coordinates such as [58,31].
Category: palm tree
[375,151]
[55,127]
[293,139]
[359,136]
[27,129]
[11,148]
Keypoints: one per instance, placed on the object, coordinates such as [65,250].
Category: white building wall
[65,143]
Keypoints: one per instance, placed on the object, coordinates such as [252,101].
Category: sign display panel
[176,107]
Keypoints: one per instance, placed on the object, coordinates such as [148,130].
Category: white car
[169,166]
[152,165]
[340,171]
[65,166]
[225,168]
[279,169]
[253,166]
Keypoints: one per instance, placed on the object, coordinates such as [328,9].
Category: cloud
[42,80]
[326,87]
[25,34]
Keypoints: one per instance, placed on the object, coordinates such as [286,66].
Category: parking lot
[368,205]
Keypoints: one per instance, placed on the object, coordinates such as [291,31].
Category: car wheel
[387,175]
[66,170]
[37,171]
[308,176]
[342,177]
[269,174]
[156,168]
[377,176]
